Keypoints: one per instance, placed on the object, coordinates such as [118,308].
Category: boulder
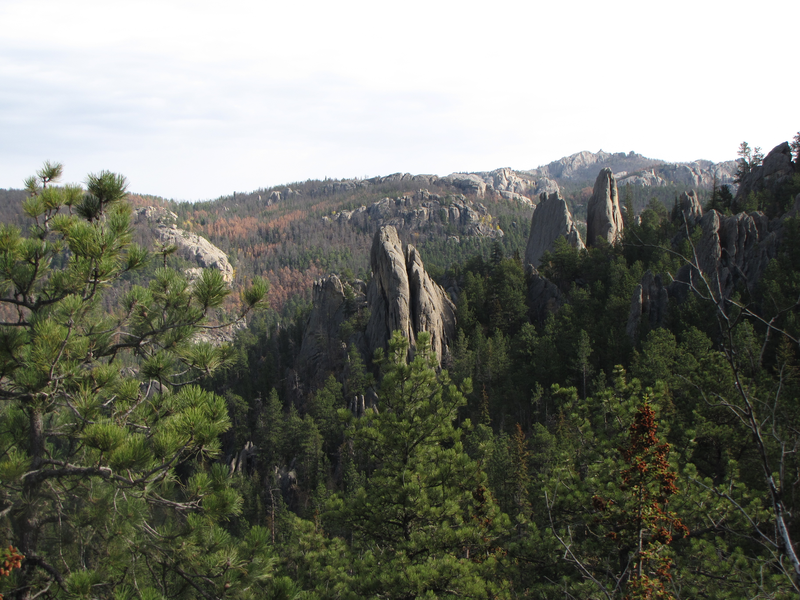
[603,215]
[402,296]
[551,220]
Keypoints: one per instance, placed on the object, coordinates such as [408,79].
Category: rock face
[545,185]
[690,207]
[636,169]
[603,215]
[190,245]
[551,220]
[776,168]
[650,301]
[422,210]
[544,297]
[697,174]
[470,183]
[322,348]
[402,296]
[586,165]
[508,184]
[731,250]
[321,343]
[647,178]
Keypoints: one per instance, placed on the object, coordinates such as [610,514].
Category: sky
[192,100]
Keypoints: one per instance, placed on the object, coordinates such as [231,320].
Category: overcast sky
[193,100]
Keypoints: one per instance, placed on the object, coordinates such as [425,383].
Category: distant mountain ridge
[636,169]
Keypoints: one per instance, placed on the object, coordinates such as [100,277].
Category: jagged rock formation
[190,245]
[587,165]
[544,297]
[322,348]
[776,168]
[509,184]
[423,209]
[545,185]
[690,207]
[647,178]
[402,296]
[243,462]
[506,180]
[650,300]
[697,174]
[468,182]
[635,169]
[603,215]
[731,250]
[551,220]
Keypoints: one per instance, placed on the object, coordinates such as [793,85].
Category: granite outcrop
[191,246]
[551,219]
[603,214]
[402,296]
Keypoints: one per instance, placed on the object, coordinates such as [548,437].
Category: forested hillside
[620,420]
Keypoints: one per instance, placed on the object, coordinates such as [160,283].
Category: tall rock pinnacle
[603,215]
[551,220]
[401,295]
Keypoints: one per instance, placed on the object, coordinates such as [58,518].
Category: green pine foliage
[424,523]
[108,472]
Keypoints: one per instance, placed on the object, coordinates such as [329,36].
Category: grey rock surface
[402,296]
[469,183]
[690,207]
[545,185]
[587,165]
[732,250]
[190,245]
[776,168]
[322,347]
[422,209]
[603,214]
[650,301]
[636,169]
[544,297]
[551,219]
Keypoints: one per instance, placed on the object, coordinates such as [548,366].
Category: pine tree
[106,444]
[640,522]
[424,524]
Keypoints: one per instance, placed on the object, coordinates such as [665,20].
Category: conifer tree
[424,524]
[640,522]
[106,444]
